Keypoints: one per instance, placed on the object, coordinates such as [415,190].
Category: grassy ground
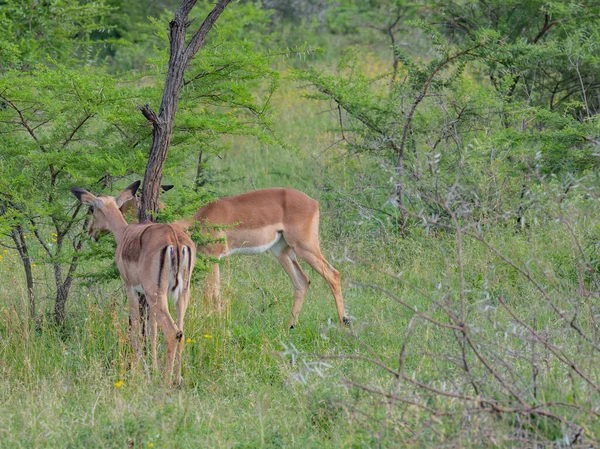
[250,383]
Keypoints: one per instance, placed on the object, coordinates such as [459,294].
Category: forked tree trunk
[62,293]
[180,58]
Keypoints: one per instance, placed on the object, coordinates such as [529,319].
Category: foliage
[50,30]
[547,54]
[61,127]
[420,119]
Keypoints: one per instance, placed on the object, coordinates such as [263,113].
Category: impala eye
[91,210]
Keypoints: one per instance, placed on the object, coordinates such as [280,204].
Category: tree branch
[149,113]
[198,40]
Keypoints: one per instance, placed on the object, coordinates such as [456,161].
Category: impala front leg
[134,330]
[212,294]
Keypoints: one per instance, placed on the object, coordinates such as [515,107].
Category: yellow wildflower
[150,444]
[54,234]
[208,336]
[34,265]
[119,384]
[189,340]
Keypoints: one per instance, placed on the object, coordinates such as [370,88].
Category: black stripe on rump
[162,264]
[189,272]
[176,269]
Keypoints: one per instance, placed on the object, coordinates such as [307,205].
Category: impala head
[129,208]
[102,206]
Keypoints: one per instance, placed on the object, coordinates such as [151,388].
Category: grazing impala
[154,259]
[283,221]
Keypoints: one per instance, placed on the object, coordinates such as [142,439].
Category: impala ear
[128,193]
[166,188]
[83,195]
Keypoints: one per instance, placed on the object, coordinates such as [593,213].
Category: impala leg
[134,329]
[318,263]
[153,335]
[134,318]
[182,304]
[143,307]
[158,304]
[290,265]
[212,294]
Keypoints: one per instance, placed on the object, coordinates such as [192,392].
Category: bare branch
[149,114]
[198,40]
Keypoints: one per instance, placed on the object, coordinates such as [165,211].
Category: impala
[281,220]
[154,259]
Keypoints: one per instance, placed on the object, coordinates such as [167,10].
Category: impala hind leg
[318,263]
[159,307]
[153,336]
[287,260]
[182,304]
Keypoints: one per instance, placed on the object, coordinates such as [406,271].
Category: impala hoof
[179,335]
[346,321]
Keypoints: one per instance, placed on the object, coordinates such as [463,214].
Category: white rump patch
[253,249]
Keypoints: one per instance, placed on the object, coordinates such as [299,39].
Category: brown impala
[283,221]
[154,259]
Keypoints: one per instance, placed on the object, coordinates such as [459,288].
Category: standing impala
[154,259]
[283,221]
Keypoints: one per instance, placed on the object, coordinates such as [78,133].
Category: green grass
[241,389]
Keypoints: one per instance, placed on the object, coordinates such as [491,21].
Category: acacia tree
[65,123]
[57,124]
[540,94]
[162,124]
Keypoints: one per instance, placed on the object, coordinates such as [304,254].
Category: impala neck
[116,223]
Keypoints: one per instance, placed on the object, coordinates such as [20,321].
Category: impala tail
[179,260]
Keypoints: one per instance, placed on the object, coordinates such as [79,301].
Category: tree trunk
[161,138]
[180,57]
[19,239]
[63,287]
[62,293]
